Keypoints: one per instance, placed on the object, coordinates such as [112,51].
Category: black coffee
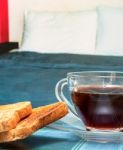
[98,107]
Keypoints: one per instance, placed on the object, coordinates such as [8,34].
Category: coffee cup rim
[105,74]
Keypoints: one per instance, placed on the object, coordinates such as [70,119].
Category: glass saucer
[72,124]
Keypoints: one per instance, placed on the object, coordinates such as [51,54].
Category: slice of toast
[11,114]
[39,118]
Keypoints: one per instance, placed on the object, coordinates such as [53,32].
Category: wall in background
[4,29]
[17,8]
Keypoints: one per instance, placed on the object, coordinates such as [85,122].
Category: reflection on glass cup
[97,98]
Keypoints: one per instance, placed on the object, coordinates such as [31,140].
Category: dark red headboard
[4,27]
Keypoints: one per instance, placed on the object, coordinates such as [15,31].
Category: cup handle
[60,95]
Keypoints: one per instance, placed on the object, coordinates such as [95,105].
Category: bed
[32,76]
[31,72]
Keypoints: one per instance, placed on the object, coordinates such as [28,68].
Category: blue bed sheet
[33,76]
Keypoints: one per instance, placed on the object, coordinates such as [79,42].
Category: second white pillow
[110,31]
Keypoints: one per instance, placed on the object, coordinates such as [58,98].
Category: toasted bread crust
[39,118]
[11,114]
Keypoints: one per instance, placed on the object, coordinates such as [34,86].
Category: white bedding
[60,32]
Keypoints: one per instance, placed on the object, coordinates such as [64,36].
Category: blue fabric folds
[33,76]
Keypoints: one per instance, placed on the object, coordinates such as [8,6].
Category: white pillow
[110,31]
[59,32]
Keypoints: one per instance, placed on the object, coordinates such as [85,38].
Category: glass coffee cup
[97,98]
